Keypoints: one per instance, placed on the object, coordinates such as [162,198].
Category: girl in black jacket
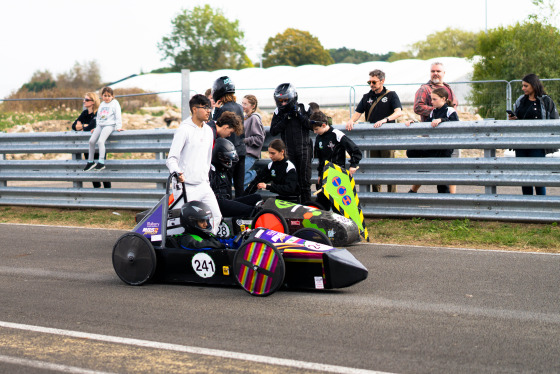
[443,111]
[279,176]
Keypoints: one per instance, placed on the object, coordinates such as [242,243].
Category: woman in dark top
[280,173]
[534,104]
[86,122]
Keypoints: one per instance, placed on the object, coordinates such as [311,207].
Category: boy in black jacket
[332,145]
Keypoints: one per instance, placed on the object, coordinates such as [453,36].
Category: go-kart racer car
[260,260]
[272,213]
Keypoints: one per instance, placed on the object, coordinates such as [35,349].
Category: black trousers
[302,162]
[237,173]
[239,207]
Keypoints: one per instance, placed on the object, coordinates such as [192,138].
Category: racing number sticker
[203,265]
[223,230]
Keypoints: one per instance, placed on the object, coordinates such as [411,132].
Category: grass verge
[416,231]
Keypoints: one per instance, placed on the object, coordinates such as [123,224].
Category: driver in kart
[224,156]
[196,219]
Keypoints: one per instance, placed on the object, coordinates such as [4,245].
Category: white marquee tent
[332,85]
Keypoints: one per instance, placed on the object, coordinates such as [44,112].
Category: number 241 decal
[203,265]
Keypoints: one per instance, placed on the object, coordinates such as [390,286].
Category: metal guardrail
[481,171]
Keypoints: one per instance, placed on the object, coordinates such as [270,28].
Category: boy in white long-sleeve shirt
[190,156]
[108,120]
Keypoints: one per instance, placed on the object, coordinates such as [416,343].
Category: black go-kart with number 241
[260,260]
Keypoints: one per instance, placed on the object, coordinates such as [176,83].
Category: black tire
[259,267]
[134,259]
[270,219]
[308,233]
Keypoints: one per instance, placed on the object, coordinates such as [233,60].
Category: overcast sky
[122,35]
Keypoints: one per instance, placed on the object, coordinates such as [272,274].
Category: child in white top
[108,120]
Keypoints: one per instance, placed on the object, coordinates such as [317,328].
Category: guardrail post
[490,190]
[77,157]
[3,183]
[160,156]
[185,93]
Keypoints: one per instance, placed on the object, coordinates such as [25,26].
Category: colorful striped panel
[263,257]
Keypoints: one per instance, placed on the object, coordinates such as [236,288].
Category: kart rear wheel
[259,267]
[270,219]
[134,259]
[308,233]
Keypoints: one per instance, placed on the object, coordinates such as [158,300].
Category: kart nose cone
[343,269]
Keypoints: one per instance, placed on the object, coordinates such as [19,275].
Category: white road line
[193,350]
[48,366]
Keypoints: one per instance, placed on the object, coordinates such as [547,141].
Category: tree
[352,56]
[509,53]
[202,39]
[449,43]
[295,48]
[40,81]
[404,55]
[85,76]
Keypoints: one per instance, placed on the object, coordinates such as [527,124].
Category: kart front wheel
[259,267]
[317,236]
[270,219]
[134,259]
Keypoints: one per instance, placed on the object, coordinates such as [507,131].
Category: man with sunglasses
[380,106]
[190,156]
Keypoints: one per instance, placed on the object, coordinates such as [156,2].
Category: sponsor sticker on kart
[316,246]
[203,265]
[319,284]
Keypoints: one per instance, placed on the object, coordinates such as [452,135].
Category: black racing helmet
[193,212]
[285,91]
[222,86]
[224,154]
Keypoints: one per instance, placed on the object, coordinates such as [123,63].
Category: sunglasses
[372,82]
[88,100]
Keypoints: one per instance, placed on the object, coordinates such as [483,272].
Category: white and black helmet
[285,91]
[222,86]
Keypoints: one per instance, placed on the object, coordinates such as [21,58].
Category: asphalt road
[422,310]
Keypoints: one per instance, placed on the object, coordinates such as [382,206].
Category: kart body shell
[260,260]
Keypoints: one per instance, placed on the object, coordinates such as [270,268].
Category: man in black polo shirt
[380,106]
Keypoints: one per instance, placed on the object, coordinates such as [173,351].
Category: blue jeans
[528,190]
[250,174]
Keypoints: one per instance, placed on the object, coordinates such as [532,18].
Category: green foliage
[352,56]
[295,48]
[40,81]
[466,233]
[396,56]
[509,53]
[202,39]
[39,86]
[10,119]
[447,43]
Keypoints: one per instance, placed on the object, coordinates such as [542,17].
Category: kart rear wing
[163,218]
